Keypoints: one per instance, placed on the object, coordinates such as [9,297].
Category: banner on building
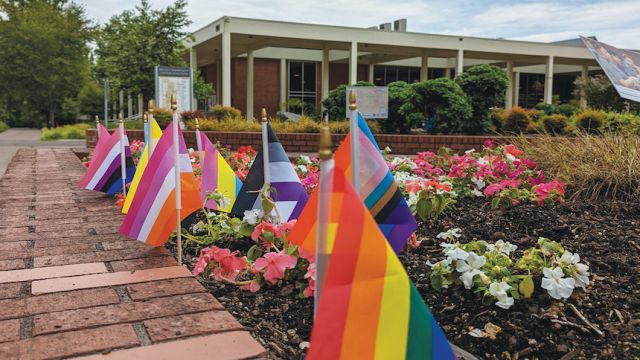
[174,80]
[372,101]
[621,66]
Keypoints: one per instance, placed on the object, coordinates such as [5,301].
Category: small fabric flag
[369,308]
[152,215]
[103,134]
[290,196]
[378,190]
[217,175]
[104,174]
[156,133]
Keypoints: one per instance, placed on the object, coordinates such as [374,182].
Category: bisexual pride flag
[217,175]
[104,173]
[290,196]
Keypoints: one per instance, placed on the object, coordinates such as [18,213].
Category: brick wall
[308,143]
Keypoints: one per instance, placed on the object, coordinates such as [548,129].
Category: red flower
[511,149]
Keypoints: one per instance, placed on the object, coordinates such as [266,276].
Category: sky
[616,22]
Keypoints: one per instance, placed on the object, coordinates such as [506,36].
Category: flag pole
[176,169]
[123,161]
[97,127]
[324,208]
[150,109]
[199,142]
[146,129]
[265,147]
[355,141]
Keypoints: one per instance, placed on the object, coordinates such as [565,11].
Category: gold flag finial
[174,102]
[326,144]
[197,124]
[151,105]
[352,100]
[121,117]
[264,115]
[97,120]
[145,118]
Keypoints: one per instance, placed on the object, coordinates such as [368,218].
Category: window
[383,75]
[302,83]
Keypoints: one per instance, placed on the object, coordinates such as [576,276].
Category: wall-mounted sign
[372,101]
[174,80]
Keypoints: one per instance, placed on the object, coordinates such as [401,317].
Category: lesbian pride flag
[217,175]
[369,308]
[152,215]
[104,174]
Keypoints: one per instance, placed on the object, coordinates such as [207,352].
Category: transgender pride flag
[104,172]
[152,215]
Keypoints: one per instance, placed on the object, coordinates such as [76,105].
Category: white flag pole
[199,142]
[355,141]
[151,145]
[123,161]
[265,147]
[176,169]
[146,129]
[324,208]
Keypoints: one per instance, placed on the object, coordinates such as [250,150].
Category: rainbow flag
[369,308]
[217,175]
[155,135]
[152,215]
[379,192]
[104,174]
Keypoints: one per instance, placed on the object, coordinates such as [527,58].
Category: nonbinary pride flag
[290,196]
[155,135]
[378,190]
[104,172]
[369,308]
[152,215]
[217,175]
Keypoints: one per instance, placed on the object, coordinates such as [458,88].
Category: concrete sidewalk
[71,286]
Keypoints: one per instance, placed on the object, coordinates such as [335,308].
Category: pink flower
[307,255]
[227,264]
[494,188]
[311,275]
[261,229]
[253,286]
[274,265]
[488,144]
[414,243]
[537,180]
[284,229]
[412,186]
[545,189]
[512,150]
[502,167]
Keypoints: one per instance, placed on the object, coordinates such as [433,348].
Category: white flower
[470,151]
[412,199]
[253,216]
[304,159]
[476,192]
[483,161]
[470,268]
[499,291]
[454,252]
[501,246]
[556,284]
[579,272]
[511,157]
[479,183]
[302,169]
[402,160]
[223,202]
[387,149]
[449,234]
[402,176]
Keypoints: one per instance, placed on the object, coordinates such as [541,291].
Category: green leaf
[292,249]
[436,282]
[254,253]
[526,286]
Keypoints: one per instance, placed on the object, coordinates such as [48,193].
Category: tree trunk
[52,112]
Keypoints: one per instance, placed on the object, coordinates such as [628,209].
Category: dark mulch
[606,235]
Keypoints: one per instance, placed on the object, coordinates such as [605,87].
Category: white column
[516,88]
[424,67]
[370,72]
[226,68]
[353,63]
[324,78]
[460,62]
[129,105]
[193,63]
[219,81]
[548,81]
[249,112]
[508,103]
[447,73]
[584,75]
[283,83]
[140,104]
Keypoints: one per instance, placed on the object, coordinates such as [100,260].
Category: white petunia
[470,268]
[302,169]
[499,291]
[449,234]
[503,247]
[453,252]
[556,284]
[580,272]
[483,161]
[479,183]
[304,159]
[476,192]
[253,216]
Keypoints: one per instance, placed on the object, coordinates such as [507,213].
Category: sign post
[373,101]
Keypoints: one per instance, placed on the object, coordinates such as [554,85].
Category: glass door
[302,85]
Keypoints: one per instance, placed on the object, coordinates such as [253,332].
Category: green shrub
[220,112]
[304,125]
[440,99]
[555,124]
[485,86]
[76,131]
[535,115]
[622,123]
[496,115]
[567,110]
[396,122]
[335,103]
[591,121]
[163,117]
[3,126]
[516,120]
[548,109]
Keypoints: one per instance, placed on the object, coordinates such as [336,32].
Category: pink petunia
[253,286]
[274,265]
[488,144]
[311,276]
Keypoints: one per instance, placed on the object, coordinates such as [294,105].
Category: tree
[132,43]
[336,101]
[485,86]
[440,100]
[44,54]
[600,94]
[396,122]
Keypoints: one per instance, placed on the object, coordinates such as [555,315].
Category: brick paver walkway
[71,286]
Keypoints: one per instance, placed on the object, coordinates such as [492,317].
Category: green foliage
[440,98]
[623,123]
[335,103]
[76,131]
[591,121]
[555,124]
[304,125]
[44,56]
[601,95]
[163,117]
[133,42]
[516,120]
[201,89]
[485,86]
[220,112]
[3,126]
[567,110]
[396,122]
[91,99]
